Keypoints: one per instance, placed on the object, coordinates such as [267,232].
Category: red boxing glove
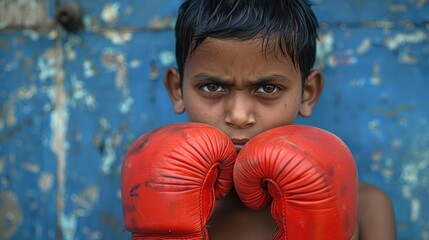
[309,176]
[170,179]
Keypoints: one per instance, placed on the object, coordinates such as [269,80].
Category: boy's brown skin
[244,90]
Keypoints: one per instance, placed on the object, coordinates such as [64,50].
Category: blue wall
[71,104]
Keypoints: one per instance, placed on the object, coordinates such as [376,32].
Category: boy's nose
[239,112]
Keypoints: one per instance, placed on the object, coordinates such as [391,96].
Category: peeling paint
[110,12]
[11,214]
[46,181]
[116,61]
[31,34]
[400,39]
[88,68]
[415,210]
[167,58]
[10,114]
[376,78]
[135,63]
[47,65]
[31,167]
[407,58]
[58,141]
[364,46]
[69,47]
[118,36]
[414,173]
[161,23]
[81,95]
[325,48]
[69,225]
[86,200]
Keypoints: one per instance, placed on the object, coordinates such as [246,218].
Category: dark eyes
[265,89]
[212,87]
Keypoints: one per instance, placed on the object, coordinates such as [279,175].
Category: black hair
[288,24]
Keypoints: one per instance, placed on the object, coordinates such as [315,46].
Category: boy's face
[239,88]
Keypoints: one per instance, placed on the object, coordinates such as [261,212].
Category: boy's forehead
[268,48]
[240,58]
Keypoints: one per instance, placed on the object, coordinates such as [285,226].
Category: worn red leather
[309,177]
[170,179]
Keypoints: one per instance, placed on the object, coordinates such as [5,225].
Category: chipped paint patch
[415,210]
[167,58]
[135,63]
[10,114]
[325,49]
[407,58]
[31,167]
[116,61]
[364,46]
[110,13]
[11,214]
[88,68]
[69,52]
[400,39]
[414,173]
[47,65]
[69,225]
[161,23]
[376,78]
[86,200]
[31,34]
[118,36]
[80,94]
[46,181]
[126,105]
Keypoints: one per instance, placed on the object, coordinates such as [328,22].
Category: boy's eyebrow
[259,80]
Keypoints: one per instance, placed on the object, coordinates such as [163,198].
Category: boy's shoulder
[375,213]
[369,192]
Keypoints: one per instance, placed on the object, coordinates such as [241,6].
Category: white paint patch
[86,200]
[118,37]
[47,65]
[376,78]
[109,156]
[364,46]
[159,23]
[135,63]
[88,68]
[400,39]
[325,49]
[126,105]
[167,58]
[46,181]
[415,210]
[31,167]
[110,12]
[11,215]
[68,224]
[80,94]
[31,34]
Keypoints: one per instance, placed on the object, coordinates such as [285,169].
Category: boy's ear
[174,89]
[312,90]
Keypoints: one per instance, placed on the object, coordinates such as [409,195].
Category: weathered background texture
[71,104]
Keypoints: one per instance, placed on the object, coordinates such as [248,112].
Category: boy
[245,66]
